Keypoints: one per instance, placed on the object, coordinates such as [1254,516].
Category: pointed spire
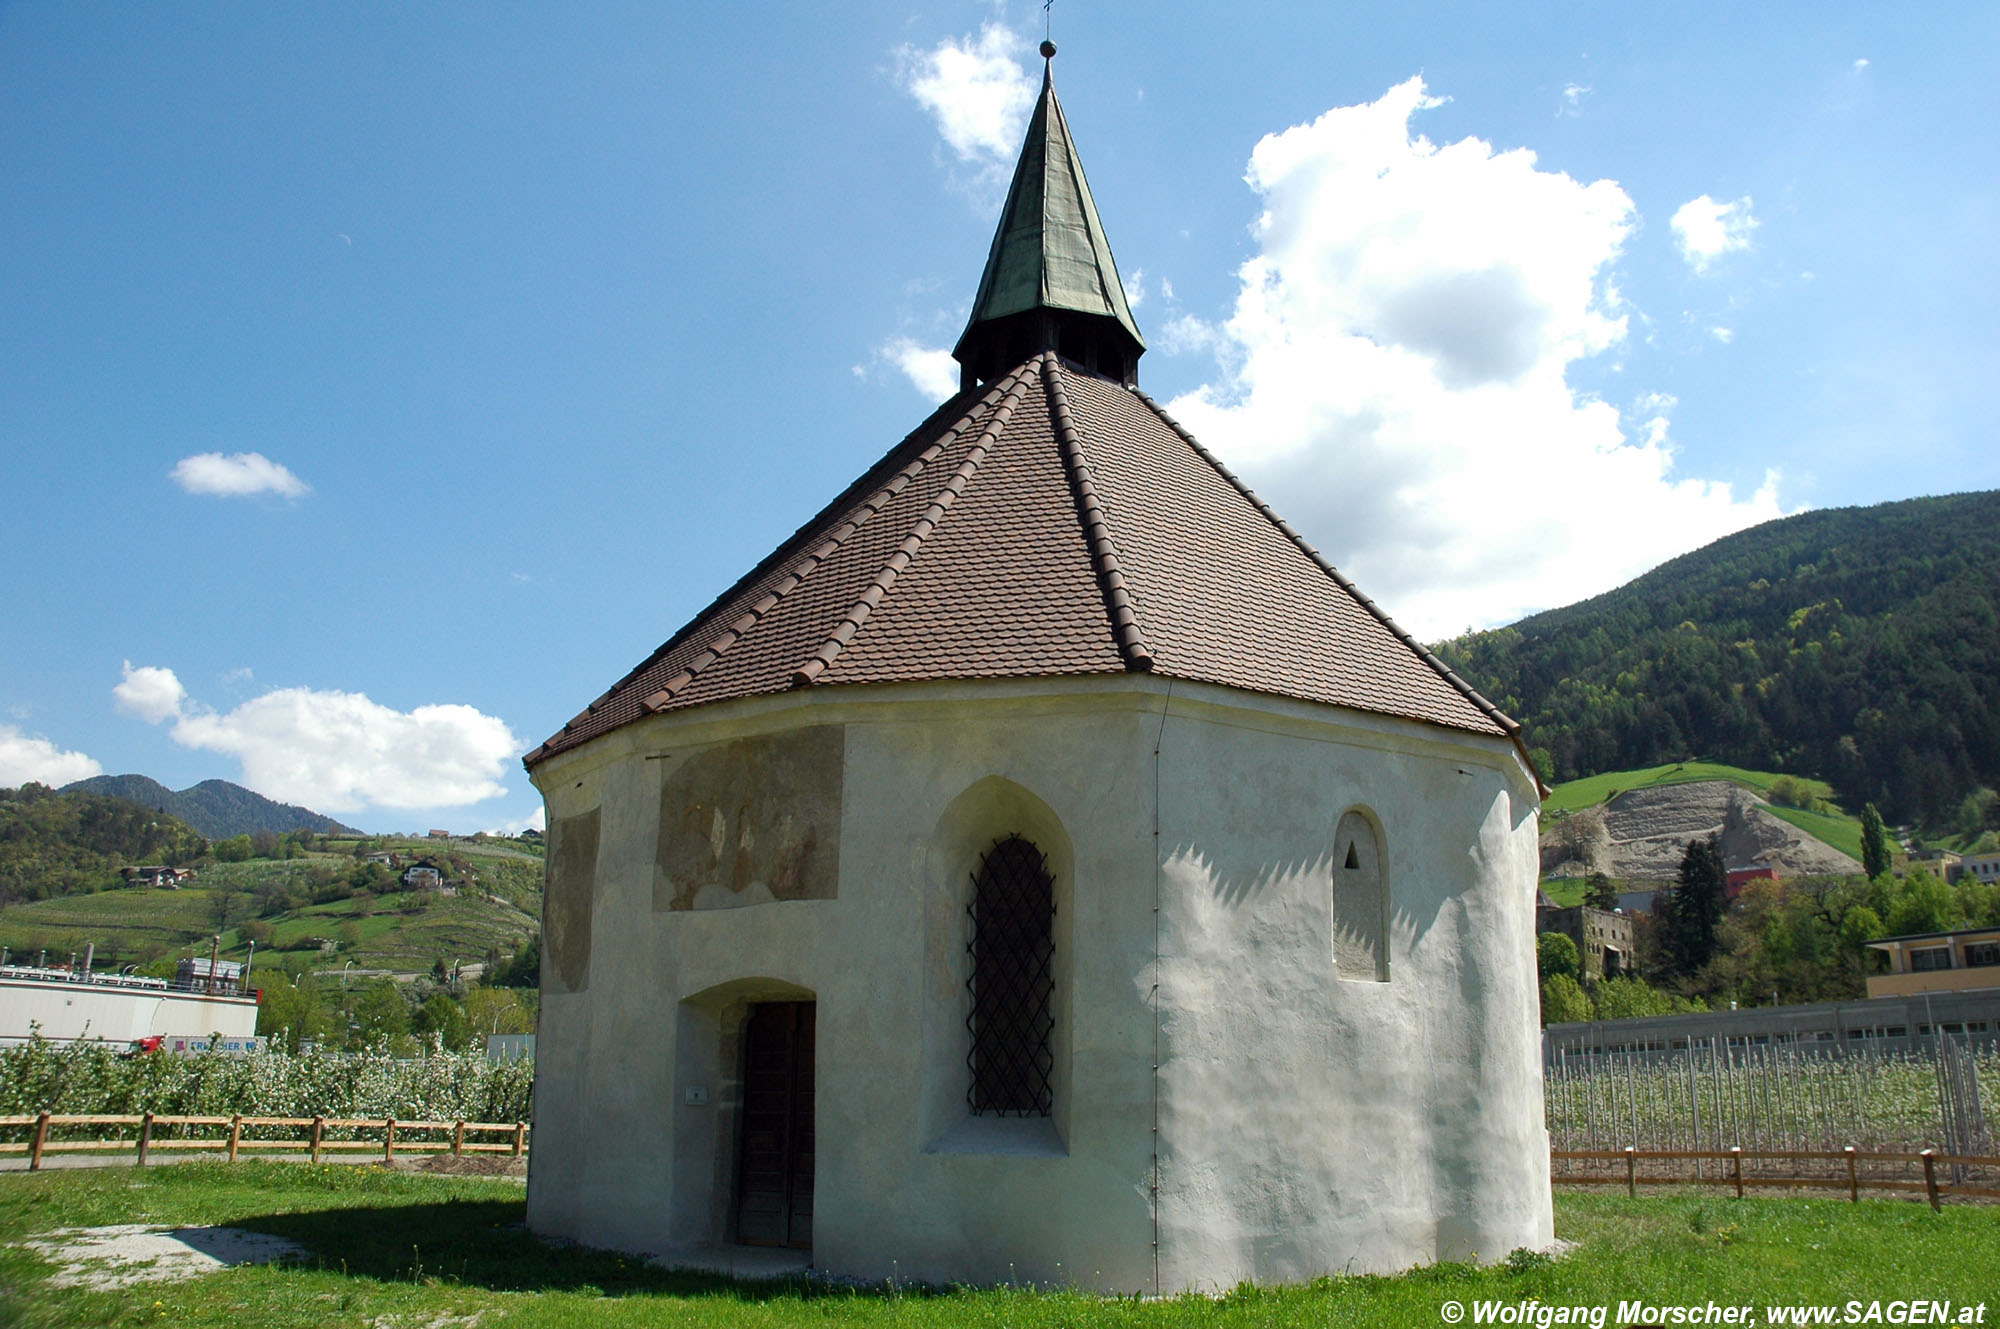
[1050,282]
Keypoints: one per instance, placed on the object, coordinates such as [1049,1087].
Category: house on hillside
[1043,866]
[156,875]
[424,875]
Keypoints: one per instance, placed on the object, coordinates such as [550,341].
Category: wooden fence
[314,1136]
[1852,1170]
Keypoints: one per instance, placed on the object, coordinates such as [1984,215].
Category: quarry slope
[1640,835]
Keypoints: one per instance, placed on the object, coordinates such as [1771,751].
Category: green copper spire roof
[1050,254]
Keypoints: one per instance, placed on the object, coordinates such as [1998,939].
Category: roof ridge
[1015,385]
[825,549]
[1118,601]
[1508,725]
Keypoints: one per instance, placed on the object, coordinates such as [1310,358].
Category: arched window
[1013,981]
[1360,902]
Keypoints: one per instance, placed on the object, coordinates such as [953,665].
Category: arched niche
[1360,899]
[985,813]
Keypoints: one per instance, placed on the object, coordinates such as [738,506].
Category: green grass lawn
[393,1249]
[1837,828]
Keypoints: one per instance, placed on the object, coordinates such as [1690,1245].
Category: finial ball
[1048,50]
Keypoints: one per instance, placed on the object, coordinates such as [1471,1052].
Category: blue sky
[379,383]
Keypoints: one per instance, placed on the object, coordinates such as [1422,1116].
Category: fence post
[1736,1167]
[1930,1179]
[389,1140]
[520,1137]
[145,1137]
[1631,1172]
[41,1140]
[1853,1178]
[235,1134]
[458,1139]
[319,1131]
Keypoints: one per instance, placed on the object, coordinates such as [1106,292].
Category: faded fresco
[752,821]
[566,903]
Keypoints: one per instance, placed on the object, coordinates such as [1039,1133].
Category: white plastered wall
[1312,1123]
[1299,1134]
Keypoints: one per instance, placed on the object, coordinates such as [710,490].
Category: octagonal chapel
[1044,865]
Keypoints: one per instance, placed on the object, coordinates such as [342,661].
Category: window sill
[1021,1137]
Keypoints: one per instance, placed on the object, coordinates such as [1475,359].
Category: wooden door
[774,1187]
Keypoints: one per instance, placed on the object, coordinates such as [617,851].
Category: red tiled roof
[1050,523]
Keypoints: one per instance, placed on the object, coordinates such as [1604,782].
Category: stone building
[1603,937]
[1042,865]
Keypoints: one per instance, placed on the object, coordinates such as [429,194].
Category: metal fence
[1716,1095]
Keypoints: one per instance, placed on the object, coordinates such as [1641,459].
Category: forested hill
[1857,645]
[216,808]
[52,844]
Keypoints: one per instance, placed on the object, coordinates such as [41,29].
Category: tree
[235,849]
[1600,891]
[1563,1001]
[381,1013]
[524,970]
[1925,904]
[440,1015]
[292,1012]
[497,1011]
[1628,997]
[1555,953]
[1694,911]
[1874,843]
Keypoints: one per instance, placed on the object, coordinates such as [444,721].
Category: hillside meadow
[306,913]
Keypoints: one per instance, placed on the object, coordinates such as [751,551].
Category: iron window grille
[1013,982]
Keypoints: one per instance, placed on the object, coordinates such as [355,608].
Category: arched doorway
[774,1175]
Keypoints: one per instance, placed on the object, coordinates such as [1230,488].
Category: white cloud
[1705,230]
[1572,100]
[237,474]
[1394,374]
[1722,334]
[930,368]
[536,820]
[1861,64]
[24,757]
[149,692]
[337,751]
[978,93]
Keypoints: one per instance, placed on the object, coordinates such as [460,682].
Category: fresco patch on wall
[568,901]
[752,821]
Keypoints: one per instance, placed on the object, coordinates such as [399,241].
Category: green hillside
[321,911]
[1827,823]
[216,808]
[1858,646]
[52,844]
